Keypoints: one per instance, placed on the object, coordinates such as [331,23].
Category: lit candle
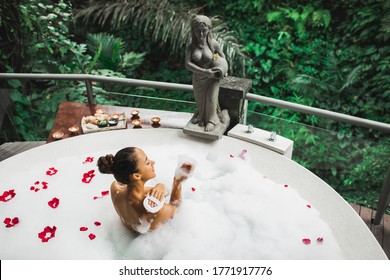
[155,121]
[135,113]
[58,135]
[73,129]
[136,123]
[100,111]
[115,116]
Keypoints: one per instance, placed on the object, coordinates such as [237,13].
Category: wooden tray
[88,128]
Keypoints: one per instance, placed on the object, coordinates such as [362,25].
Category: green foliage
[159,21]
[112,55]
[327,54]
[49,48]
[366,179]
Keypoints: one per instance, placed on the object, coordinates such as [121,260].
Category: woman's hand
[186,169]
[158,192]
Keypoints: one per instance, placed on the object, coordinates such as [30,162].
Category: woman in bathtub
[141,208]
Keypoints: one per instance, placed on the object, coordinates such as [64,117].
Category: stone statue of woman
[206,60]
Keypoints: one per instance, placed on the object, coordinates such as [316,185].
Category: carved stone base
[215,134]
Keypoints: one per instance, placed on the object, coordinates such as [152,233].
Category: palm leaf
[162,21]
[310,86]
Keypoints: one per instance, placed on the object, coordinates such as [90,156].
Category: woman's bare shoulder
[117,188]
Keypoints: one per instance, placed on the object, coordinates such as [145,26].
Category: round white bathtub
[255,204]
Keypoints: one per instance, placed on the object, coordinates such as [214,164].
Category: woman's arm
[167,212]
[158,191]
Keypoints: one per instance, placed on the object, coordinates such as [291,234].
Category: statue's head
[200,22]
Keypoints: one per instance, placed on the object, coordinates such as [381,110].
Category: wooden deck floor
[381,231]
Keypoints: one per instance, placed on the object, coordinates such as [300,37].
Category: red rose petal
[308,205]
[231,156]
[52,171]
[104,193]
[10,223]
[286,186]
[47,233]
[87,177]
[7,195]
[36,183]
[92,236]
[97,224]
[193,189]
[306,241]
[83,228]
[320,240]
[88,159]
[54,202]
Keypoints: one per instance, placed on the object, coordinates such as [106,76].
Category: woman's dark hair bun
[105,164]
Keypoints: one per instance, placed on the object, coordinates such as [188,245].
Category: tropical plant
[160,21]
[112,55]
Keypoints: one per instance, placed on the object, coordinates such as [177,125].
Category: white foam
[229,210]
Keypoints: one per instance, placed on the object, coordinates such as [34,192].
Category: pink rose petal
[242,154]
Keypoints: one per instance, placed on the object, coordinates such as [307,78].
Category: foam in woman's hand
[185,166]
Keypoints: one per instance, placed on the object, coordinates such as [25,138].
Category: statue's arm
[218,48]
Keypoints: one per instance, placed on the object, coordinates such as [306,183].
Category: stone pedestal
[261,137]
[232,92]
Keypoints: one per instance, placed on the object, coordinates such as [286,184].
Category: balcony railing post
[89,92]
[384,200]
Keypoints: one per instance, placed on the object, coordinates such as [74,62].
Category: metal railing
[89,79]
